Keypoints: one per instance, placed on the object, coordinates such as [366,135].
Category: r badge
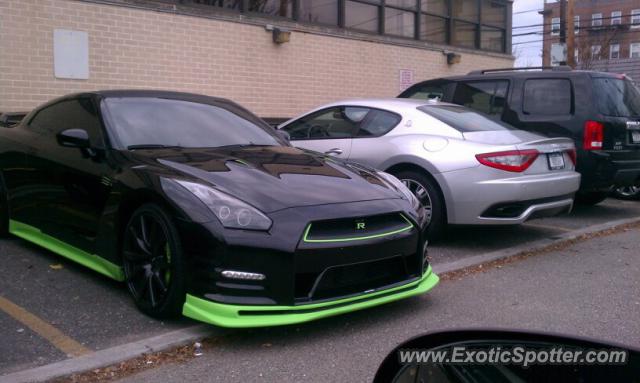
[360,226]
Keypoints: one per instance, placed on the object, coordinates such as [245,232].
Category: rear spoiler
[10,119]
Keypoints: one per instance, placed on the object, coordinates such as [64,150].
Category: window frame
[324,110]
[576,24]
[496,82]
[611,51]
[572,105]
[448,19]
[634,20]
[103,137]
[616,16]
[594,18]
[368,117]
[553,24]
[632,50]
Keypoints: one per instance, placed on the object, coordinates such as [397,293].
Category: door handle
[334,151]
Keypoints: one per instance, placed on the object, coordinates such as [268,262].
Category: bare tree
[593,44]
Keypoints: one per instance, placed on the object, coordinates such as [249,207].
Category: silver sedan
[465,168]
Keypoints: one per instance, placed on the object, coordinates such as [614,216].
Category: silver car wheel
[628,191]
[422,194]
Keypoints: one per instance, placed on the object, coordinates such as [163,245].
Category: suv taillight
[511,161]
[593,135]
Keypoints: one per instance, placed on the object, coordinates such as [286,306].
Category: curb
[181,337]
[112,355]
[477,260]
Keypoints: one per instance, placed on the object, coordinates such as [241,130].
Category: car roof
[524,73]
[386,103]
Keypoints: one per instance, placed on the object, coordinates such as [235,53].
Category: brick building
[337,48]
[607,34]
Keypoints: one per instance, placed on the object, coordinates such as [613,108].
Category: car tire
[418,181]
[629,193]
[153,262]
[592,198]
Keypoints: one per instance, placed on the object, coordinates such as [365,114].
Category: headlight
[231,212]
[401,188]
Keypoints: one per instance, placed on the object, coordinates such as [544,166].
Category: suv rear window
[616,97]
[463,119]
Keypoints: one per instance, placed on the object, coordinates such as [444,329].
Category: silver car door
[328,130]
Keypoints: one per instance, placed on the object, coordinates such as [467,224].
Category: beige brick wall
[138,48]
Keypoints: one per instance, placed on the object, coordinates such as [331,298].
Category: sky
[525,12]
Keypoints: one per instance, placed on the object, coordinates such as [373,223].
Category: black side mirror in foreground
[507,356]
[74,138]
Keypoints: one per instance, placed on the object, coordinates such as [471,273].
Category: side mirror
[74,138]
[283,134]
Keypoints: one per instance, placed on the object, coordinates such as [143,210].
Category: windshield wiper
[152,146]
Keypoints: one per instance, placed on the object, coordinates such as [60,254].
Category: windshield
[463,119]
[616,97]
[148,122]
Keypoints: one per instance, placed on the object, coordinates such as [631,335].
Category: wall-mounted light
[453,58]
[280,35]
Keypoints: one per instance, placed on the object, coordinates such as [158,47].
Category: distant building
[607,35]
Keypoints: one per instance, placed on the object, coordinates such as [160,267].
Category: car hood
[502,137]
[272,178]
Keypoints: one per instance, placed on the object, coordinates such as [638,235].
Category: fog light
[232,274]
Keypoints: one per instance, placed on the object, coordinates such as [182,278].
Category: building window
[576,24]
[614,51]
[464,10]
[555,57]
[399,22]
[318,11]
[635,18]
[595,52]
[555,26]
[361,16]
[282,8]
[596,20]
[464,34]
[477,24]
[616,17]
[576,55]
[634,50]
[433,28]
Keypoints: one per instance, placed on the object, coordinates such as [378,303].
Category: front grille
[354,229]
[345,280]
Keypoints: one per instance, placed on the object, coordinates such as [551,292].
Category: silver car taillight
[511,161]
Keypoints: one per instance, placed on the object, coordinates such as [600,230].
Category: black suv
[600,111]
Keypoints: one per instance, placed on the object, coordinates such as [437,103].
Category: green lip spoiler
[238,316]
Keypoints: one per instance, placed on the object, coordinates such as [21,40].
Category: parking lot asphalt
[590,289]
[52,309]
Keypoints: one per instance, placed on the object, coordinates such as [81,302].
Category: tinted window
[378,123]
[71,114]
[425,92]
[336,122]
[616,97]
[484,96]
[156,121]
[463,119]
[547,97]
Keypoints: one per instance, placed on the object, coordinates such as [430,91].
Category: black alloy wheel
[152,261]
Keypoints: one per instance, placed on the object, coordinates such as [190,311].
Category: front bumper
[472,196]
[239,316]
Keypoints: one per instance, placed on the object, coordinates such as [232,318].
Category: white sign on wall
[71,54]
[405,78]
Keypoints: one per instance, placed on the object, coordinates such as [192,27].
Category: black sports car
[203,209]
